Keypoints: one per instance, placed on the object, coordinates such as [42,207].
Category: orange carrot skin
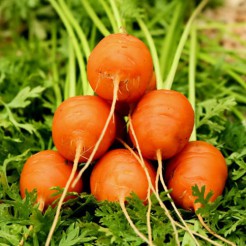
[117,174]
[163,119]
[152,84]
[44,170]
[126,57]
[80,120]
[124,108]
[199,163]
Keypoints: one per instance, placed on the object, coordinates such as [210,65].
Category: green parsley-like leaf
[21,100]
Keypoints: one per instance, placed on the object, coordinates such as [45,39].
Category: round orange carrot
[199,163]
[120,59]
[79,121]
[117,174]
[44,170]
[162,121]
[124,108]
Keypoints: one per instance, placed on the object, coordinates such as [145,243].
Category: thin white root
[111,114]
[199,235]
[25,236]
[148,217]
[141,161]
[150,187]
[214,233]
[159,160]
[123,207]
[30,228]
[64,193]
[159,171]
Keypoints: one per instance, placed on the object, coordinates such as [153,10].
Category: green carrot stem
[109,15]
[77,28]
[168,44]
[116,15]
[192,74]
[99,24]
[172,72]
[92,41]
[70,85]
[54,66]
[73,40]
[153,52]
[85,47]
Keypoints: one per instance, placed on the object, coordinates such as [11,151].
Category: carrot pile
[158,127]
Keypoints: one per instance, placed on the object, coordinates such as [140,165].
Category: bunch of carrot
[160,123]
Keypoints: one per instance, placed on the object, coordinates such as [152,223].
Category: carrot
[201,164]
[83,129]
[41,172]
[152,84]
[124,108]
[120,59]
[159,127]
[152,189]
[118,174]
[79,121]
[162,121]
[44,170]
[119,68]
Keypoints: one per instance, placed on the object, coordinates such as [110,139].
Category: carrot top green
[44,51]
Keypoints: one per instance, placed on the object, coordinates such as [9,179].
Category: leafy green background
[39,68]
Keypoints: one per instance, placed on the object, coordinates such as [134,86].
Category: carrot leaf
[44,47]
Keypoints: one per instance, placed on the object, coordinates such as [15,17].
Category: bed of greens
[44,47]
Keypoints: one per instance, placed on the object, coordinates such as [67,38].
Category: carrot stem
[99,24]
[64,193]
[192,75]
[116,82]
[77,28]
[192,69]
[153,52]
[172,72]
[54,66]
[159,160]
[70,85]
[81,35]
[74,41]
[110,15]
[116,15]
[168,43]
